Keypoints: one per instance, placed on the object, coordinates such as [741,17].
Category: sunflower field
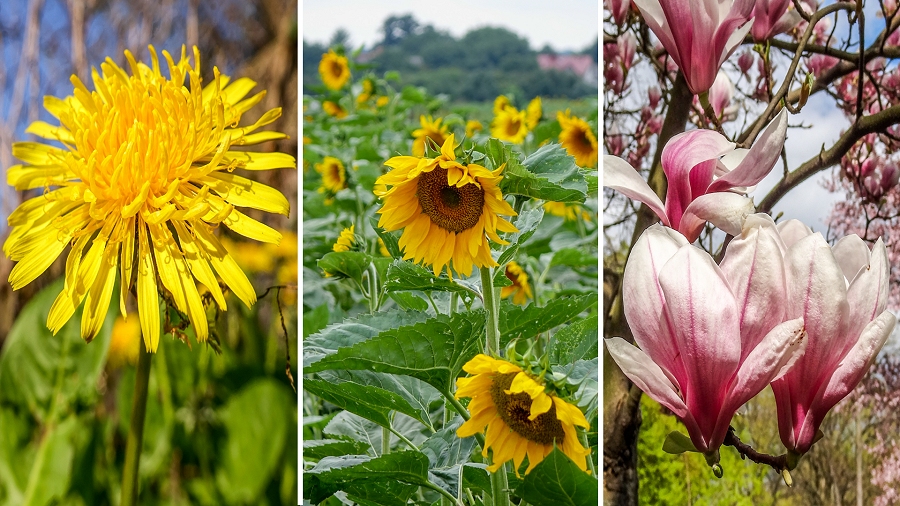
[450,295]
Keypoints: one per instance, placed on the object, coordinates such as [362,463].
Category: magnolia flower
[699,35]
[703,170]
[841,293]
[618,9]
[720,96]
[711,337]
[771,17]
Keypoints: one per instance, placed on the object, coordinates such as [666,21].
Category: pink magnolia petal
[644,372]
[761,158]
[644,299]
[620,176]
[680,155]
[754,267]
[702,314]
[852,254]
[792,231]
[787,21]
[868,292]
[854,366]
[725,210]
[732,32]
[653,15]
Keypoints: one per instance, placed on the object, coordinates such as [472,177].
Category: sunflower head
[510,125]
[500,103]
[346,241]
[333,109]
[533,113]
[144,177]
[447,210]
[569,212]
[519,417]
[368,89]
[334,176]
[578,139]
[472,126]
[520,291]
[334,70]
[382,101]
[431,129]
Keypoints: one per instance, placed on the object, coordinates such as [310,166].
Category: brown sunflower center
[581,141]
[336,69]
[514,409]
[512,128]
[449,207]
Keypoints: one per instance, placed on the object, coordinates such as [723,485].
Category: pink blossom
[705,175]
[819,63]
[653,96]
[771,17]
[745,61]
[720,96]
[618,9]
[841,293]
[699,35]
[711,337]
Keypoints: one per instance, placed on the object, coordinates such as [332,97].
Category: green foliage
[556,480]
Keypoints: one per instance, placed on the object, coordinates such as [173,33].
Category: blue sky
[563,24]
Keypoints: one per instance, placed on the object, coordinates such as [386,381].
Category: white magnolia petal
[620,176]
[648,376]
[761,158]
[725,210]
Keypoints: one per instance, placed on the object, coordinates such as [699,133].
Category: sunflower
[431,128]
[333,109]
[472,126]
[382,249]
[570,212]
[345,241]
[510,125]
[445,209]
[533,113]
[500,103]
[382,101]
[334,177]
[519,289]
[334,70]
[520,416]
[578,139]
[368,88]
[143,179]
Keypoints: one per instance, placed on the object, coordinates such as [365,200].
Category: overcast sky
[563,24]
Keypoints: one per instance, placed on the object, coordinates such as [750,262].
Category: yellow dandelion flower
[570,212]
[431,128]
[533,113]
[445,209]
[124,342]
[510,125]
[334,70]
[472,126]
[334,177]
[578,139]
[519,289]
[520,416]
[333,109]
[500,103]
[143,179]
[345,241]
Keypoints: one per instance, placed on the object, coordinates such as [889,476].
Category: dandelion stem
[492,318]
[136,430]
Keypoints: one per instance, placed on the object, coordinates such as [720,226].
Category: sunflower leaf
[403,275]
[519,322]
[371,403]
[316,449]
[354,330]
[390,240]
[433,351]
[401,471]
[527,222]
[574,341]
[446,453]
[557,481]
[548,174]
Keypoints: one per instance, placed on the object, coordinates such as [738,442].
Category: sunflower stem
[499,487]
[136,430]
[385,440]
[492,318]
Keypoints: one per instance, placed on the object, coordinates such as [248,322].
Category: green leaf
[369,402]
[409,301]
[548,174]
[574,341]
[557,481]
[518,322]
[446,452]
[347,426]
[404,275]
[527,222]
[257,420]
[336,473]
[677,443]
[573,257]
[433,351]
[476,476]
[390,240]
[354,330]
[418,394]
[316,449]
[348,264]
[315,320]
[584,373]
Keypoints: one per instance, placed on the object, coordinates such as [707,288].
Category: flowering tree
[722,301]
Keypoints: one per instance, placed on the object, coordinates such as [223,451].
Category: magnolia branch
[778,463]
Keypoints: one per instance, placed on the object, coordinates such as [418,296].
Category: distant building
[581,64]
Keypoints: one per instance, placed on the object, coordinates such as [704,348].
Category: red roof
[577,63]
